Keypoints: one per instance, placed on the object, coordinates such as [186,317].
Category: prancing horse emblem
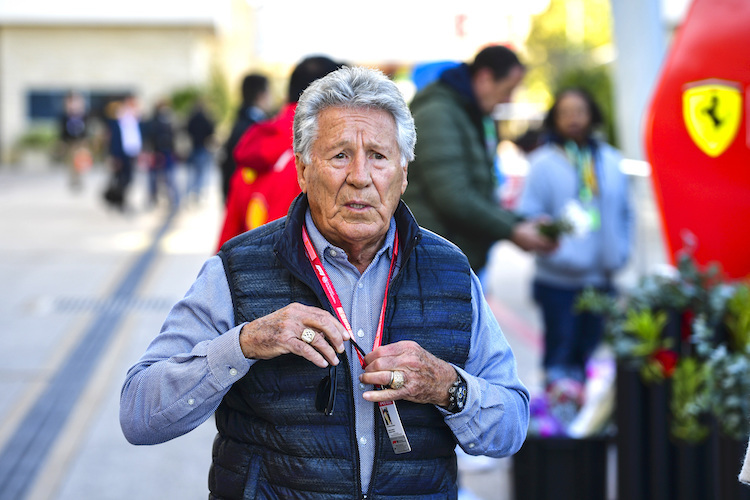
[712,111]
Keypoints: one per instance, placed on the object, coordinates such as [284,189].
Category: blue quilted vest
[272,442]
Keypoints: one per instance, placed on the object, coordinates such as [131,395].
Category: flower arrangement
[727,365]
[692,328]
[569,408]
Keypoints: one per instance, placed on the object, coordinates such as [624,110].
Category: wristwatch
[457,395]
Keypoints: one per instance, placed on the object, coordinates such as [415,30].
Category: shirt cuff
[460,422]
[225,358]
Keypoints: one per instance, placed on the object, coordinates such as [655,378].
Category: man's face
[354,180]
[490,91]
[572,118]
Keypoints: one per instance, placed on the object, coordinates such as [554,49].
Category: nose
[359,174]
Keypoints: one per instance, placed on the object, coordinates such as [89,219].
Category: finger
[382,377]
[383,395]
[386,356]
[329,326]
[321,345]
[301,348]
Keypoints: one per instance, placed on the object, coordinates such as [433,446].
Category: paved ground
[73,274]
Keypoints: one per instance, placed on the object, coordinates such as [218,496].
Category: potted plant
[682,345]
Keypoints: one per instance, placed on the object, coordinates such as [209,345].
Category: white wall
[152,61]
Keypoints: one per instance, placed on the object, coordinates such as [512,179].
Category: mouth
[357,206]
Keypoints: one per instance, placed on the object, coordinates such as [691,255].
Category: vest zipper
[376,445]
[358,473]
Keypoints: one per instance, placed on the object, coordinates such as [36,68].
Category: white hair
[352,87]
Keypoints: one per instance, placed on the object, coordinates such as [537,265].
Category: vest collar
[290,249]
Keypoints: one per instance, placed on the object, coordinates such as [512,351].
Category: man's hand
[280,333]
[426,378]
[527,236]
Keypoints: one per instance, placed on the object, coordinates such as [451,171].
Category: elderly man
[344,349]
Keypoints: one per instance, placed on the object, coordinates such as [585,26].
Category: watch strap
[457,395]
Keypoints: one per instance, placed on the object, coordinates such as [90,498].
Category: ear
[405,181]
[484,77]
[301,169]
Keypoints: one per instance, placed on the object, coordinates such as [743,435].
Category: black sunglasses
[325,398]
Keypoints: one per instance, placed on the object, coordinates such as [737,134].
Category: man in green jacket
[452,182]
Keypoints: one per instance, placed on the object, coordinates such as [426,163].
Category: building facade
[104,51]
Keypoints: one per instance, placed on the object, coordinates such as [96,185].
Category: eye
[378,156]
[340,156]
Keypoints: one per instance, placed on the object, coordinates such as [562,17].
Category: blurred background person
[575,177]
[73,135]
[200,128]
[452,181]
[125,144]
[256,103]
[159,134]
[265,182]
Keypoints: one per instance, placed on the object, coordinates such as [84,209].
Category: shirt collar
[323,246]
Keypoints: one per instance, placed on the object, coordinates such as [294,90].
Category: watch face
[457,394]
[461,396]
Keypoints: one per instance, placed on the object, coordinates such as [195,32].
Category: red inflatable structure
[698,137]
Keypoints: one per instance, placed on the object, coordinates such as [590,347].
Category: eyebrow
[369,145]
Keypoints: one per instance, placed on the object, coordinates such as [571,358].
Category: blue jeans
[569,337]
[162,171]
[200,163]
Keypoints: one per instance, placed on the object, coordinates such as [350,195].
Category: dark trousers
[569,337]
[121,177]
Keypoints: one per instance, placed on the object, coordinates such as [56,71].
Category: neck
[361,259]
[360,255]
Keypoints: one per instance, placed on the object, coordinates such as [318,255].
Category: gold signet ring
[308,335]
[397,380]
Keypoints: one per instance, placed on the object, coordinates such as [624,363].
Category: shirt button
[363,441]
[233,372]
[362,386]
[332,253]
[471,445]
[360,285]
[360,333]
[191,401]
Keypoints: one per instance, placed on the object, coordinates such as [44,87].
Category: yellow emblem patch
[249,175]
[257,211]
[712,114]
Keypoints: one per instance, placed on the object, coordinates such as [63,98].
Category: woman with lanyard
[575,179]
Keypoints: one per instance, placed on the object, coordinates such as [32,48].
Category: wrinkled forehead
[346,124]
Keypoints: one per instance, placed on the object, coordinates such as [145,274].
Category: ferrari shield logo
[712,114]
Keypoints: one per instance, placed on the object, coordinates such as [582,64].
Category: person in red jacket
[265,181]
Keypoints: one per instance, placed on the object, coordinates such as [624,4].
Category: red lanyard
[333,297]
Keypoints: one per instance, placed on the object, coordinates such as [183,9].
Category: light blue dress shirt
[186,371]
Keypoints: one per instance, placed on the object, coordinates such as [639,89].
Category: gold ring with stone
[308,335]
[397,380]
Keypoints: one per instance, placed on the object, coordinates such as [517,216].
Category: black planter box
[730,454]
[560,469]
[651,465]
